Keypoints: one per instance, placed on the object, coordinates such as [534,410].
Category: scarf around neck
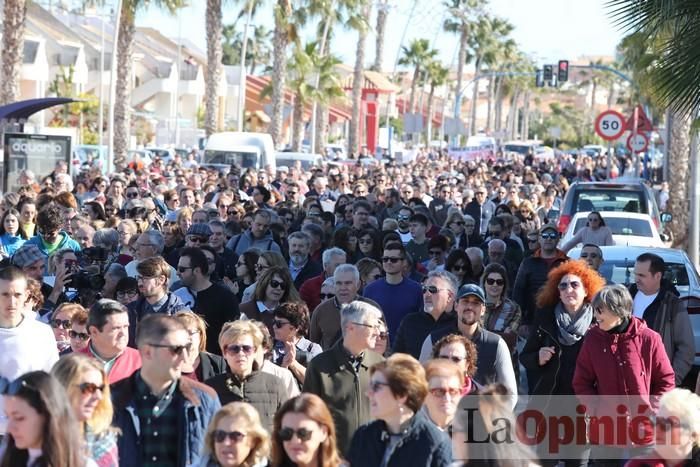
[572,329]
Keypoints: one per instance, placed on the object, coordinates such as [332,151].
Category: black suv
[622,194]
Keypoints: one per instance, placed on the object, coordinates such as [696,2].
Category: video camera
[88,273]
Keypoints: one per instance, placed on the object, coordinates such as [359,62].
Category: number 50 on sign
[610,125]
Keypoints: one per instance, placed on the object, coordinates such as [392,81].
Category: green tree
[436,75]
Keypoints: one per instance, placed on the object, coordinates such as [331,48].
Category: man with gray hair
[310,291]
[325,321]
[300,265]
[340,375]
[149,244]
[439,291]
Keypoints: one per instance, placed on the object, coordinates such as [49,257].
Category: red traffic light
[563,71]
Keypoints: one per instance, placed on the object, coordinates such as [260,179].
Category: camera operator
[61,265]
[153,280]
[50,238]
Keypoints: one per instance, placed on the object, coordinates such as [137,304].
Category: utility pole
[112,85]
[242,76]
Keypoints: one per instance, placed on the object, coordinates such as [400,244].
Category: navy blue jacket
[200,405]
[421,444]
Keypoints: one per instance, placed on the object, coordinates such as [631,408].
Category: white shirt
[642,302]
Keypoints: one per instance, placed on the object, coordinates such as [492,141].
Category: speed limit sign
[638,142]
[610,125]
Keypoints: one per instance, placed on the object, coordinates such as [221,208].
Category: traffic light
[563,71]
[539,78]
[548,71]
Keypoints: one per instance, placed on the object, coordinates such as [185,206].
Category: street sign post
[610,125]
[637,143]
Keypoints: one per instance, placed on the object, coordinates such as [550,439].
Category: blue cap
[471,289]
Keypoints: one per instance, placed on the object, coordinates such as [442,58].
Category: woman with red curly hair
[564,314]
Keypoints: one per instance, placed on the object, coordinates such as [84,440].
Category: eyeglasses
[549,235]
[83,336]
[275,284]
[279,324]
[442,392]
[287,433]
[388,259]
[61,323]
[375,386]
[430,288]
[90,388]
[220,436]
[197,239]
[565,285]
[326,296]
[492,281]
[455,359]
[127,293]
[184,268]
[175,350]
[235,349]
[590,255]
[668,423]
[371,326]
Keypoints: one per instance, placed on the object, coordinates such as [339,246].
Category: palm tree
[436,75]
[362,11]
[418,54]
[14,15]
[301,69]
[464,12]
[284,33]
[380,28]
[213,70]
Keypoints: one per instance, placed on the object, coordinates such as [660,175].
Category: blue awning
[24,109]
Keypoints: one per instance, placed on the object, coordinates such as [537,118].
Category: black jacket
[556,375]
[669,317]
[210,365]
[481,216]
[531,276]
[415,327]
[310,269]
[421,444]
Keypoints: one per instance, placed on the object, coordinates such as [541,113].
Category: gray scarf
[571,330]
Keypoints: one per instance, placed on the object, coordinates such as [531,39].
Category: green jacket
[331,376]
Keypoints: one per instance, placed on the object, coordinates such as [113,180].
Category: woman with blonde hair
[87,387]
[304,434]
[240,343]
[184,219]
[199,364]
[236,438]
[529,220]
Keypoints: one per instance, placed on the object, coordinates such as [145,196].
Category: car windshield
[305,163]
[242,159]
[621,226]
[519,148]
[622,272]
[610,200]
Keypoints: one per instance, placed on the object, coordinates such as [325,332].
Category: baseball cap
[27,255]
[471,289]
[202,230]
[548,227]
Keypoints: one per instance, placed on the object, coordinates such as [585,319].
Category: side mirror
[666,217]
[664,238]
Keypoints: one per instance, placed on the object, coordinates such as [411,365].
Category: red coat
[310,291]
[125,364]
[633,363]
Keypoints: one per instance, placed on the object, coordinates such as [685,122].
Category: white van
[244,149]
[307,161]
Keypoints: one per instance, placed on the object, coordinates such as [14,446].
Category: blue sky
[547,30]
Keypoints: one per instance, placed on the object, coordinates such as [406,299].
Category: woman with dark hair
[292,350]
[595,232]
[502,209]
[245,271]
[42,430]
[462,351]
[304,434]
[370,270]
[368,244]
[95,211]
[345,238]
[273,287]
[502,314]
[458,263]
[401,434]
[12,234]
[199,364]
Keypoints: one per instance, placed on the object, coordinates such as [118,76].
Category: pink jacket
[126,363]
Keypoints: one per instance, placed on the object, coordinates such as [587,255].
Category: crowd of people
[352,314]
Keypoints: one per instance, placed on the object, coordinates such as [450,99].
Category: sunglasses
[196,239]
[220,436]
[383,336]
[430,288]
[83,336]
[260,267]
[453,358]
[132,195]
[279,324]
[442,392]
[403,218]
[90,388]
[275,284]
[326,296]
[492,281]
[61,323]
[549,235]
[387,259]
[376,276]
[459,268]
[184,268]
[175,350]
[565,285]
[235,349]
[12,388]
[287,433]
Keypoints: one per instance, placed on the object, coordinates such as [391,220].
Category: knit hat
[27,255]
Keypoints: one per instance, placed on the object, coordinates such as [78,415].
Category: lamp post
[112,86]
